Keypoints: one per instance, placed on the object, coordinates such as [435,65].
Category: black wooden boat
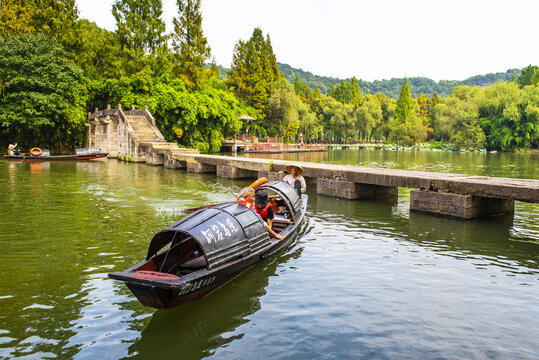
[210,247]
[44,155]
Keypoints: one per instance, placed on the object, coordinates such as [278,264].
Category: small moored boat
[37,154]
[210,247]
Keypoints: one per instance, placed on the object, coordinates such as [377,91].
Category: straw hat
[11,146]
[289,168]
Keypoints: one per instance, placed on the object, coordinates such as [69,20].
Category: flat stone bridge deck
[444,194]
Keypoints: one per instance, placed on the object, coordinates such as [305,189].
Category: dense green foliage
[55,67]
[40,93]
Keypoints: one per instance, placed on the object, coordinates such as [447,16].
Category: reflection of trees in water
[489,237]
[193,330]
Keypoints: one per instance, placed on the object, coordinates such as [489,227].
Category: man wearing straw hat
[295,179]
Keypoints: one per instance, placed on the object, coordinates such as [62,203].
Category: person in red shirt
[264,209]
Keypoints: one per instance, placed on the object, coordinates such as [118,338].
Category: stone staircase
[157,150]
[144,131]
[131,136]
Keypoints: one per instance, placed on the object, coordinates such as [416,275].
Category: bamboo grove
[55,67]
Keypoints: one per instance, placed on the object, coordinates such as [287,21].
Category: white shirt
[289,179]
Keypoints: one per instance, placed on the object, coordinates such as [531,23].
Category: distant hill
[392,87]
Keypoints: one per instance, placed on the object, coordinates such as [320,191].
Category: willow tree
[189,43]
[254,71]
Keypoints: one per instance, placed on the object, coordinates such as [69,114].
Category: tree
[41,100]
[456,118]
[369,115]
[100,55]
[347,92]
[509,116]
[254,71]
[407,127]
[16,17]
[527,76]
[303,91]
[54,18]
[405,104]
[387,105]
[139,25]
[422,106]
[190,46]
[282,116]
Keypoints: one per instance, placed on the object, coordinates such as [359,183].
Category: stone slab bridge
[129,135]
[452,195]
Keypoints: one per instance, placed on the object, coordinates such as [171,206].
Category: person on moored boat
[247,197]
[264,209]
[12,151]
[295,179]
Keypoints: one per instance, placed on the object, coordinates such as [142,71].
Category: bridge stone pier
[442,194]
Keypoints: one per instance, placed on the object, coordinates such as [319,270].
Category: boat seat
[194,263]
[282,219]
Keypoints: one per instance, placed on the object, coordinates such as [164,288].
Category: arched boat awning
[224,232]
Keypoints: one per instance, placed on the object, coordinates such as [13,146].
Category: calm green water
[363,279]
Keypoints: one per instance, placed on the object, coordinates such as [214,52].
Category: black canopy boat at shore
[209,248]
[37,154]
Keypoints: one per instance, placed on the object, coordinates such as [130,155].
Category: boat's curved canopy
[223,232]
[226,231]
[288,194]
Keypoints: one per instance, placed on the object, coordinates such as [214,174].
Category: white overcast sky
[372,40]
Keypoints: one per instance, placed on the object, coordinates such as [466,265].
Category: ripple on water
[103,328]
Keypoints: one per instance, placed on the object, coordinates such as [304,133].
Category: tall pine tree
[405,104]
[140,27]
[190,46]
[254,71]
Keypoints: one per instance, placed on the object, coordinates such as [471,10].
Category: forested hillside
[392,87]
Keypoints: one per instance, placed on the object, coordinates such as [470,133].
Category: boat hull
[54,158]
[165,294]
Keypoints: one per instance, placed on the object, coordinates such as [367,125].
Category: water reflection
[490,238]
[194,330]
